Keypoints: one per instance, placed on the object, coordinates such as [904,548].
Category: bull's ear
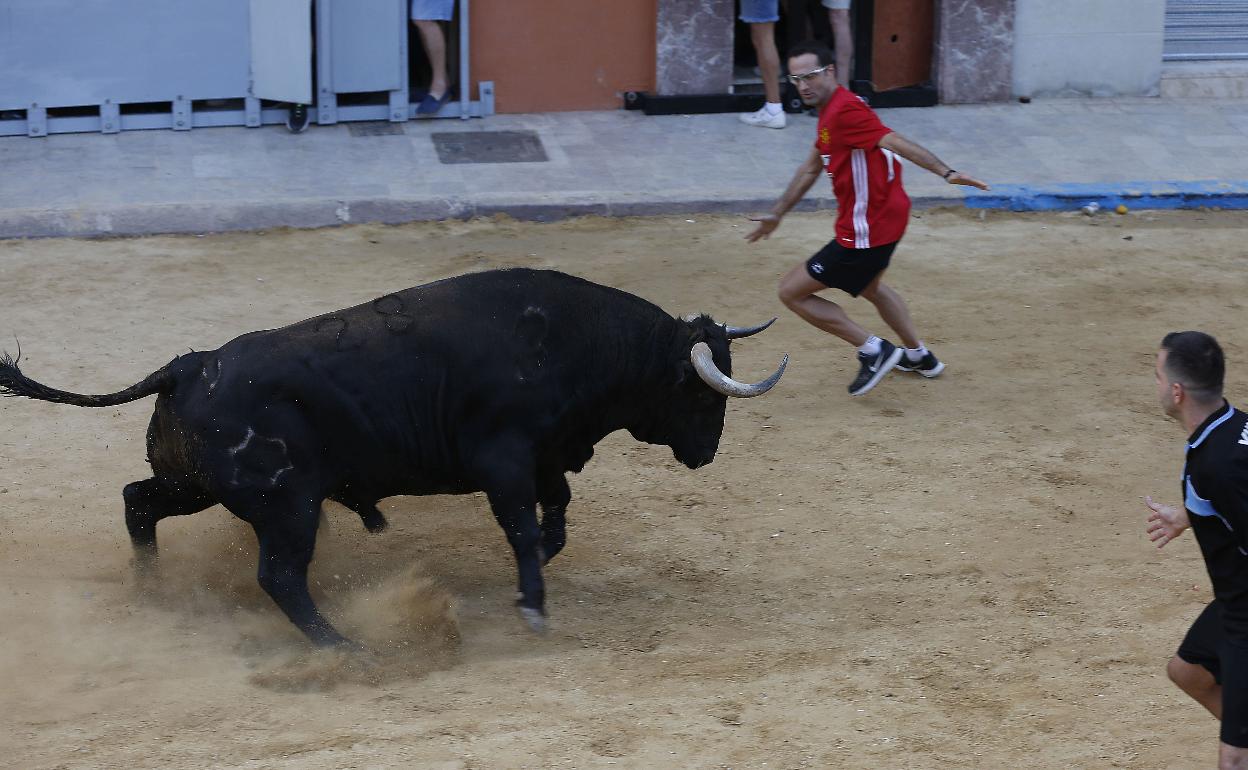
[697,324]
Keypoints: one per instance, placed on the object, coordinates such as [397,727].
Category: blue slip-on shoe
[431,105]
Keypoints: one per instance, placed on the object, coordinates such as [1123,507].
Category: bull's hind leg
[149,501]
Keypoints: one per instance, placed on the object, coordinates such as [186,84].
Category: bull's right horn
[704,363]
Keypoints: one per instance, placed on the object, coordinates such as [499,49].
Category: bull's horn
[704,363]
[737,332]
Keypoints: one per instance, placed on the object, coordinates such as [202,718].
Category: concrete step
[1205,80]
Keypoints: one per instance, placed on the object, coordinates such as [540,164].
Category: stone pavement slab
[1046,154]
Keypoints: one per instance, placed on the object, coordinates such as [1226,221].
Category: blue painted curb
[1134,195]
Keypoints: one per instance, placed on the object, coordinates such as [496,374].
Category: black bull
[500,382]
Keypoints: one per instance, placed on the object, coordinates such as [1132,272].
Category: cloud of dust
[200,614]
[406,621]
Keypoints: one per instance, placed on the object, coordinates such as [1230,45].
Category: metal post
[36,120]
[325,99]
[400,97]
[110,117]
[182,120]
[465,80]
[251,111]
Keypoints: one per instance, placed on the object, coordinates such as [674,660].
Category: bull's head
[691,419]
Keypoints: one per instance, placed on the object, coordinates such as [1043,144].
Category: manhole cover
[489,147]
[375,128]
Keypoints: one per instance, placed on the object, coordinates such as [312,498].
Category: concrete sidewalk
[1047,154]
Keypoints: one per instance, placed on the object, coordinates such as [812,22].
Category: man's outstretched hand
[767,225]
[959,178]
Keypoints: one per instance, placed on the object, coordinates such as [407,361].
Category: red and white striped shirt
[873,208]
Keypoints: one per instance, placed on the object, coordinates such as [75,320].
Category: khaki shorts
[837,5]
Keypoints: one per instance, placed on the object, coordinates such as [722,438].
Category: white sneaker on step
[763,119]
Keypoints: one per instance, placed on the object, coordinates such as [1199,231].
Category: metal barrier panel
[367,42]
[114,65]
[361,48]
[70,53]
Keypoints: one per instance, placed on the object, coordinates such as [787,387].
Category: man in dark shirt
[1212,662]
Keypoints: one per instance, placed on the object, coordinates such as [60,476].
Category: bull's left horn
[737,332]
[704,363]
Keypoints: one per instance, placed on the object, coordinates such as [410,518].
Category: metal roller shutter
[1206,30]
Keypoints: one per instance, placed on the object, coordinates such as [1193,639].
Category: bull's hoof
[535,618]
[549,550]
[361,655]
[143,562]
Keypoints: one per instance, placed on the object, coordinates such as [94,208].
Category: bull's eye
[708,398]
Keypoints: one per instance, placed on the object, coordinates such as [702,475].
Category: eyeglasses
[799,79]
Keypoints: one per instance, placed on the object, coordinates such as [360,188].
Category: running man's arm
[1166,522]
[921,156]
[806,175]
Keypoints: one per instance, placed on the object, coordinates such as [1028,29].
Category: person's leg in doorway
[842,38]
[428,16]
[762,16]
[297,117]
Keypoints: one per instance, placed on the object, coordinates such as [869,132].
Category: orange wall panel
[901,43]
[552,55]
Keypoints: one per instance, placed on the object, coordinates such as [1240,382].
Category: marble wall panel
[975,50]
[694,47]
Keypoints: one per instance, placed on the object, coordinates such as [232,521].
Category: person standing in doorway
[762,16]
[842,38]
[297,117]
[860,154]
[1211,664]
[428,16]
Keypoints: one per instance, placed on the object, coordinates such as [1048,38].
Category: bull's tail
[14,383]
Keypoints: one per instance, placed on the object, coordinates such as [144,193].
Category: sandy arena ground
[942,574]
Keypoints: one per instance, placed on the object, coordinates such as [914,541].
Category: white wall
[1088,47]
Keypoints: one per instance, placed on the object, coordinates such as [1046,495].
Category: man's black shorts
[850,270]
[1207,645]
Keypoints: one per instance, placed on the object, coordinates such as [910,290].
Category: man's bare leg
[1232,757]
[1197,682]
[892,308]
[797,292]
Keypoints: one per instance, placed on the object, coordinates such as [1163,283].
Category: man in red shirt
[859,153]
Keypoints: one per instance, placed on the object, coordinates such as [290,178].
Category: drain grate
[375,128]
[489,147]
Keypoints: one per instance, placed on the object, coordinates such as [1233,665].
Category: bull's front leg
[511,490]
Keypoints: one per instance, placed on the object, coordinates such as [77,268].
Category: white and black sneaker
[763,119]
[872,368]
[928,365]
[297,119]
